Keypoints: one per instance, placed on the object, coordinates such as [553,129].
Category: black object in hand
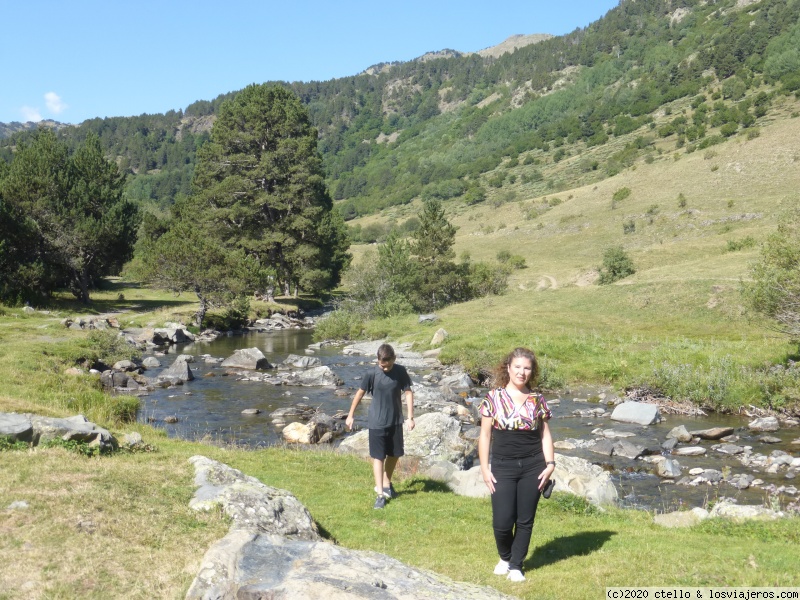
[548,489]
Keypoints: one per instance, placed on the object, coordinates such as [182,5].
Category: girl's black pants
[514,503]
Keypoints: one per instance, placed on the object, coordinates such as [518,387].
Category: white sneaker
[501,568]
[515,575]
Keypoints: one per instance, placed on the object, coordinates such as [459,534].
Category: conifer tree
[259,187]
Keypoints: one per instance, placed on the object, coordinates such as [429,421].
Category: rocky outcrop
[247,358]
[35,429]
[436,437]
[273,550]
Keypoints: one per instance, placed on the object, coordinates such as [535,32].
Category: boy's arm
[410,406]
[356,399]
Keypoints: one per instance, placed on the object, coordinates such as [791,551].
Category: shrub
[734,245]
[629,227]
[621,194]
[681,200]
[616,265]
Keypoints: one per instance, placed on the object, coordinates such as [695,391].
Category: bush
[629,227]
[734,245]
[616,265]
[341,324]
[621,194]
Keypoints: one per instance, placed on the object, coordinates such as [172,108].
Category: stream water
[210,408]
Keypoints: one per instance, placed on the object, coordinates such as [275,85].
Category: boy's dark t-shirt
[386,408]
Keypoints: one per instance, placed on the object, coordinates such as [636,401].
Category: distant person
[514,426]
[387,383]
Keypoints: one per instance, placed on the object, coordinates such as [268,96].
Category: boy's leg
[389,465]
[377,471]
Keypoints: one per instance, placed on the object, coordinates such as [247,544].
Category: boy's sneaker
[389,492]
[380,502]
[515,575]
[501,568]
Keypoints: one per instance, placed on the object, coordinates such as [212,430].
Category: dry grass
[95,527]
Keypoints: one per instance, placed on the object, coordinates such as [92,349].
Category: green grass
[96,526]
[100,525]
[681,309]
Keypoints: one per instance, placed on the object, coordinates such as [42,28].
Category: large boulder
[436,437]
[273,550]
[178,371]
[15,428]
[247,358]
[315,376]
[77,428]
[636,412]
[582,478]
[764,424]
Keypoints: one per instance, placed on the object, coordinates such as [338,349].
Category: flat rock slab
[274,551]
[636,412]
[689,451]
[713,433]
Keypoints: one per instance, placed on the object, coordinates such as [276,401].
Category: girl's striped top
[505,415]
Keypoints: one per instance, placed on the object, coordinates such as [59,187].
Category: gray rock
[580,477]
[669,444]
[439,337]
[668,468]
[76,428]
[314,376]
[738,512]
[604,447]
[636,412]
[247,358]
[764,424]
[301,362]
[457,382]
[689,451]
[18,505]
[15,427]
[730,449]
[436,437]
[714,433]
[274,550]
[769,439]
[681,518]
[131,440]
[680,433]
[151,362]
[251,411]
[179,370]
[628,450]
[429,318]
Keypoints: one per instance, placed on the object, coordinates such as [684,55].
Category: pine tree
[433,249]
[259,187]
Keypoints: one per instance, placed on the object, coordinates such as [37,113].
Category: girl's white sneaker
[515,575]
[501,568]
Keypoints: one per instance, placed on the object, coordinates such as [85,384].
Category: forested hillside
[474,125]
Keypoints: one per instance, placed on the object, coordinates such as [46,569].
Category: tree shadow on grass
[579,544]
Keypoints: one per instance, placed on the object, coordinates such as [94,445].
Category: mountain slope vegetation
[441,127]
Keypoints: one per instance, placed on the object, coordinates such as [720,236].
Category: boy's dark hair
[385,352]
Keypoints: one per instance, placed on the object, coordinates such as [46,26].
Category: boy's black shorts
[385,442]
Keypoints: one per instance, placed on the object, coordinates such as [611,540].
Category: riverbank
[95,526]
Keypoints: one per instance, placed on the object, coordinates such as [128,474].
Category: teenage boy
[386,383]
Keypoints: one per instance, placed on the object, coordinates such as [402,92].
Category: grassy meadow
[698,219]
[103,526]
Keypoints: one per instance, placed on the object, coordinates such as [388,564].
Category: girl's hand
[489,479]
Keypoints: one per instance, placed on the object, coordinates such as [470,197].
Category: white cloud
[54,103]
[31,114]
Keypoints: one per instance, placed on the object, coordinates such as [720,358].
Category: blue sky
[75,60]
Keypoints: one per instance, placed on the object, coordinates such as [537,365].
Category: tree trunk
[83,287]
[271,294]
[201,311]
